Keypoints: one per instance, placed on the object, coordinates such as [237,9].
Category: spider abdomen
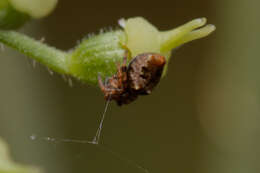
[144,72]
[139,78]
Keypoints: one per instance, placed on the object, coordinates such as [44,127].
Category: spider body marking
[138,78]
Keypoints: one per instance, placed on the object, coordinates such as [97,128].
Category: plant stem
[51,57]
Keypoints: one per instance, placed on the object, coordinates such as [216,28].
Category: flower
[144,37]
[98,54]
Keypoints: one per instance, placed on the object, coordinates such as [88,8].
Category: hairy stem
[51,57]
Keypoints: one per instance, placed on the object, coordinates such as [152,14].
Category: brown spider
[138,78]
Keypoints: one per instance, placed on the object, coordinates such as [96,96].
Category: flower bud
[35,8]
[7,165]
[14,13]
[10,18]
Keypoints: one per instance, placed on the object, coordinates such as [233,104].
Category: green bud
[14,13]
[9,166]
[99,53]
[35,8]
[10,18]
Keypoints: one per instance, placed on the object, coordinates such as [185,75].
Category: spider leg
[124,67]
[118,67]
[127,51]
[101,84]
[125,58]
[119,75]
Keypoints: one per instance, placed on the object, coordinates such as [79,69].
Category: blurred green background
[203,117]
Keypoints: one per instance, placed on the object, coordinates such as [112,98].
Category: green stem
[49,56]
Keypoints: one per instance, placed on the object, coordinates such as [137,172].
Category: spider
[138,78]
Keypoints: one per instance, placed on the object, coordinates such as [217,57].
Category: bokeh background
[203,118]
